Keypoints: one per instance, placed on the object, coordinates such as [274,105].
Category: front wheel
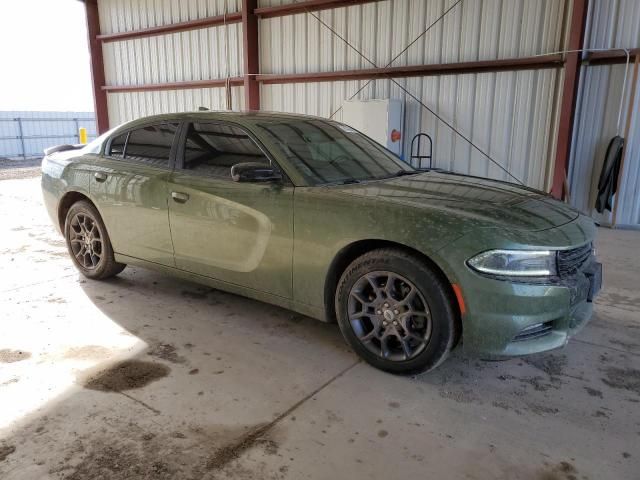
[396,312]
[88,242]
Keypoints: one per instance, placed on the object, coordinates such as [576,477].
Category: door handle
[100,176]
[180,197]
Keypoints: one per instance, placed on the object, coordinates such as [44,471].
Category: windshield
[329,152]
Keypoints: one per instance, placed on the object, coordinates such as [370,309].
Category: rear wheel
[88,242]
[396,312]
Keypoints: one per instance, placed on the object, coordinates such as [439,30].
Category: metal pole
[251,54]
[77,129]
[97,66]
[569,98]
[24,151]
[625,148]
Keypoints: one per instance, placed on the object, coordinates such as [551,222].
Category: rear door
[130,186]
[237,232]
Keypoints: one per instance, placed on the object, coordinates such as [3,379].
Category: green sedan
[311,215]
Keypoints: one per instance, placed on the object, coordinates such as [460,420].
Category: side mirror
[254,172]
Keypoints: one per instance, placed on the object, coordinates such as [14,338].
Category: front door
[236,232]
[129,185]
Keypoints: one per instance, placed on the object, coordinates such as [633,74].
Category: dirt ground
[149,377]
[12,169]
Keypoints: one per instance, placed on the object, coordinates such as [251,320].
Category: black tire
[98,262]
[432,338]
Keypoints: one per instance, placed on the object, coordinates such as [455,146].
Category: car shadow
[145,303]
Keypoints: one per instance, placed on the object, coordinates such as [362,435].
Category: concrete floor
[148,377]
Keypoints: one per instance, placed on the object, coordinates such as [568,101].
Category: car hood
[483,202]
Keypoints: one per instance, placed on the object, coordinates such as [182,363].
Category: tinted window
[95,146]
[212,149]
[151,145]
[117,145]
[329,152]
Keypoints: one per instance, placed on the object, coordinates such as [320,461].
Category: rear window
[149,145]
[117,145]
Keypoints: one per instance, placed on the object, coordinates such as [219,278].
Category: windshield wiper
[402,173]
[347,181]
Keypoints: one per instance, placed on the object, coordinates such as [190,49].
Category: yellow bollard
[82,134]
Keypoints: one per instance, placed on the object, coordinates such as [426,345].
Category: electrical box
[379,119]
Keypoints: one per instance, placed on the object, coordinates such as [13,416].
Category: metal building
[493,70]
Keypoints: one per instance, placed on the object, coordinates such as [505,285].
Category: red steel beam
[612,57]
[251,55]
[97,66]
[218,82]
[235,17]
[509,64]
[569,98]
[306,6]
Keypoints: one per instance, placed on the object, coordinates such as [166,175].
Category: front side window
[329,152]
[150,145]
[211,149]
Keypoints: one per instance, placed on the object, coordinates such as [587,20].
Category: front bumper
[501,313]
[512,318]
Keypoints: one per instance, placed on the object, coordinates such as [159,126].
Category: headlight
[516,263]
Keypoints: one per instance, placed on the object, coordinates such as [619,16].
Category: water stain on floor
[623,378]
[561,471]
[118,461]
[5,451]
[127,375]
[137,454]
[166,351]
[11,356]
[552,365]
[87,352]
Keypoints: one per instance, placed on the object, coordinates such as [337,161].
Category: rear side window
[211,149]
[117,145]
[150,145]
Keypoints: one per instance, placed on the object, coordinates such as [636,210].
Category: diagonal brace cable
[424,32]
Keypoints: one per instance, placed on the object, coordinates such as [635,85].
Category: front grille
[569,261]
[534,331]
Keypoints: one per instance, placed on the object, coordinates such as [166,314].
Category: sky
[44,56]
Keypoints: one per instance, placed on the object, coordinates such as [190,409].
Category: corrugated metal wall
[476,30]
[611,24]
[510,115]
[125,15]
[513,126]
[203,54]
[128,106]
[40,130]
[193,55]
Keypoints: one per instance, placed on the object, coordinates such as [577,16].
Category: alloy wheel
[85,240]
[389,315]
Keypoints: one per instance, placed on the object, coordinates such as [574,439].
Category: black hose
[609,174]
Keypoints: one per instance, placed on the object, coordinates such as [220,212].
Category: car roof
[232,116]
